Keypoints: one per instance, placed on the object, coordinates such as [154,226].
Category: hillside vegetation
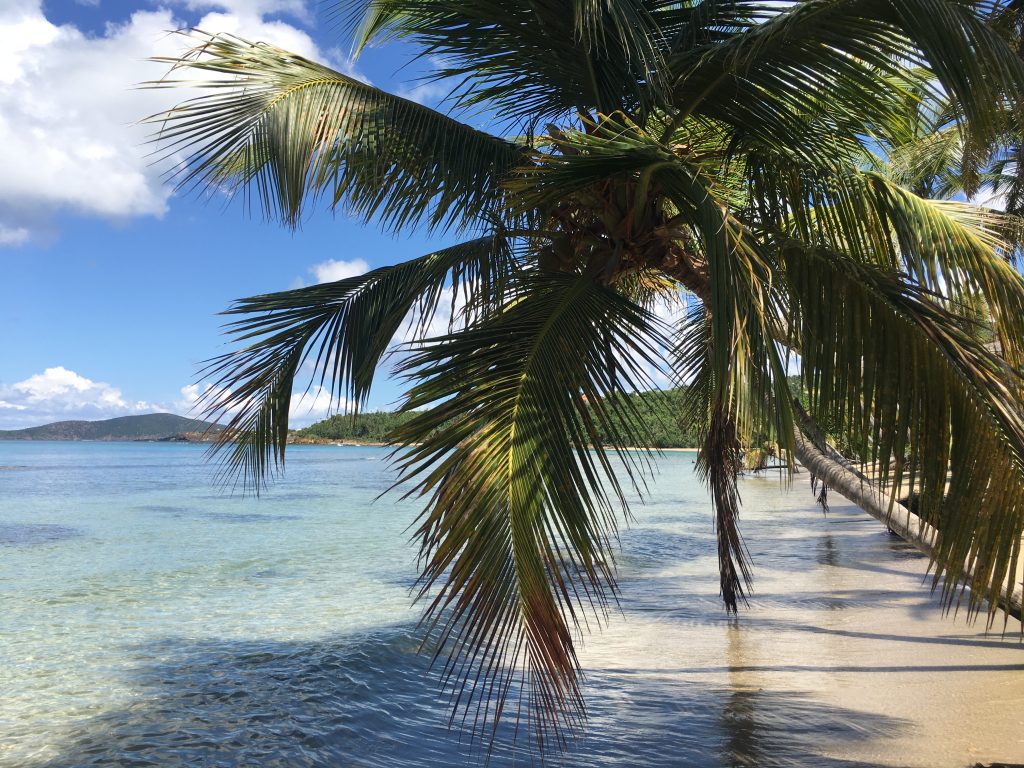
[150,426]
[370,427]
[660,410]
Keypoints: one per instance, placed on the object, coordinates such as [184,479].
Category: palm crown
[732,151]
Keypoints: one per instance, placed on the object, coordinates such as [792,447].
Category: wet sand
[847,663]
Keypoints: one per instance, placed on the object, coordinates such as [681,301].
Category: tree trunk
[832,469]
[855,487]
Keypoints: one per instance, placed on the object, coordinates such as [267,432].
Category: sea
[151,617]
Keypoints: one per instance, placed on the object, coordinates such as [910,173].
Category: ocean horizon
[149,617]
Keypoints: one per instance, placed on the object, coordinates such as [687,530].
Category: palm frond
[290,132]
[342,329]
[521,497]
[957,250]
[931,164]
[531,62]
[921,398]
[766,68]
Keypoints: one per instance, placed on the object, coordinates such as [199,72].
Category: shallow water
[147,619]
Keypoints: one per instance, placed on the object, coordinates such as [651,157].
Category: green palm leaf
[921,398]
[342,329]
[957,250]
[291,131]
[531,62]
[522,500]
[784,62]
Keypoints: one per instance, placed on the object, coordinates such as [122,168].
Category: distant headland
[150,427]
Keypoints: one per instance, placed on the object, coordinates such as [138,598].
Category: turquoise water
[146,618]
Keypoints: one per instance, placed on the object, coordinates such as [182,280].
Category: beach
[149,617]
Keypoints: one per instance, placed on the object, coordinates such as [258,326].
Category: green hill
[660,410]
[370,427]
[150,426]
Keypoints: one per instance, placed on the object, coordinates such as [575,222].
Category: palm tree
[642,148]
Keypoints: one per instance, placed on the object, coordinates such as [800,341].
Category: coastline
[831,664]
[348,442]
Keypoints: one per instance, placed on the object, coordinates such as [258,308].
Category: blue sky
[111,284]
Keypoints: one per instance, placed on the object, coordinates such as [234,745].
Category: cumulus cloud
[332,270]
[70,137]
[995,201]
[306,406]
[58,394]
[317,403]
[428,91]
[298,9]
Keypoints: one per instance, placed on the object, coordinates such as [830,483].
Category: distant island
[152,427]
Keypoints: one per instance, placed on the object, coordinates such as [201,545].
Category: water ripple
[362,702]
[34,534]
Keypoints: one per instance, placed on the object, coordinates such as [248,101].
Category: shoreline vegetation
[658,409]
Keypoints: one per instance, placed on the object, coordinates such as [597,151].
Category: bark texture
[855,487]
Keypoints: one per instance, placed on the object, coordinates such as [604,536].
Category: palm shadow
[372,700]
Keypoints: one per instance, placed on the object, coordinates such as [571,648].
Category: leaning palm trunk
[647,149]
[855,487]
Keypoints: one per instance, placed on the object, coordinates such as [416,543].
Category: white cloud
[13,235]
[332,270]
[298,9]
[316,404]
[438,324]
[58,394]
[673,311]
[337,59]
[252,27]
[995,201]
[190,396]
[305,408]
[70,137]
[430,92]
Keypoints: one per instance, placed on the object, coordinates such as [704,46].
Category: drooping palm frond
[785,61]
[924,401]
[522,498]
[742,376]
[531,62]
[342,329]
[720,459]
[959,250]
[291,132]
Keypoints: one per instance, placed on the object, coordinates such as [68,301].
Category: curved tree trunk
[831,469]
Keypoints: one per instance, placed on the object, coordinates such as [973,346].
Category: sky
[110,281]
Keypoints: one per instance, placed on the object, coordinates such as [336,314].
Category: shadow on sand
[372,701]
